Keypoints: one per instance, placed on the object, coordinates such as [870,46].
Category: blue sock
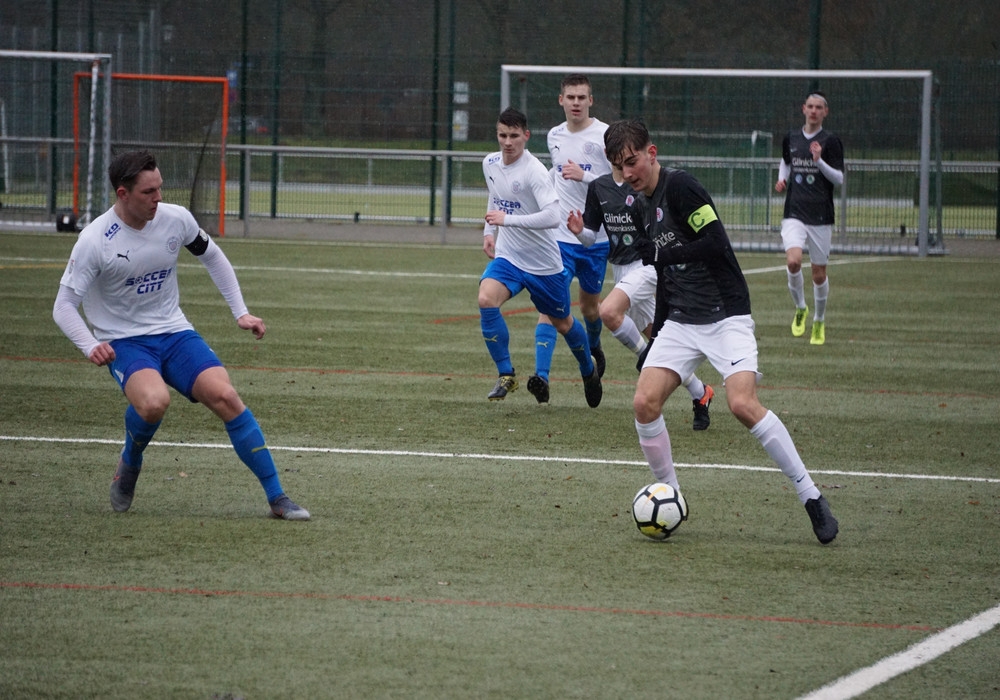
[247,438]
[580,347]
[546,336]
[594,332]
[497,338]
[138,433]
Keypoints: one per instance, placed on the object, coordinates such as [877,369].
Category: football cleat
[285,508]
[539,388]
[123,486]
[599,359]
[505,384]
[701,418]
[592,388]
[799,322]
[818,333]
[823,522]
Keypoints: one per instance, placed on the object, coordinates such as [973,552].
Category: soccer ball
[658,510]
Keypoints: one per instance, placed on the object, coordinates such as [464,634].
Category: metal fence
[877,205]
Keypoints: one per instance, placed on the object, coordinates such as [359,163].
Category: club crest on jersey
[659,214]
[515,187]
[113,231]
[173,244]
[630,200]
[590,148]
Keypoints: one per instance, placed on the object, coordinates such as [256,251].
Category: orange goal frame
[224,127]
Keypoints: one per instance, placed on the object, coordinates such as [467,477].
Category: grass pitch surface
[462,548]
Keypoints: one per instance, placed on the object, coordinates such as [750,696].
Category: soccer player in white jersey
[576,148]
[812,162]
[123,270]
[518,237]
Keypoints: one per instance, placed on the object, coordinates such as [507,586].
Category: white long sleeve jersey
[523,191]
[586,149]
[127,278]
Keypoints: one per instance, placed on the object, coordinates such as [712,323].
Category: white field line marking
[505,458]
[864,679]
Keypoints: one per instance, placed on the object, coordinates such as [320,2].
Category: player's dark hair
[625,135]
[574,79]
[125,168]
[817,93]
[513,118]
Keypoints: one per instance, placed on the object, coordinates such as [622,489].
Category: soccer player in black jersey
[812,162]
[702,312]
[628,309]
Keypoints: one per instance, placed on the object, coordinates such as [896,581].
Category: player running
[628,309]
[518,237]
[702,312]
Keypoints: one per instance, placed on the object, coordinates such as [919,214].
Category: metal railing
[877,205]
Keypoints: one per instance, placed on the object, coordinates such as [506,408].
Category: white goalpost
[21,185]
[687,90]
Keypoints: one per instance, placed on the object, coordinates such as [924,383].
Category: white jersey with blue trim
[128,277]
[586,149]
[524,187]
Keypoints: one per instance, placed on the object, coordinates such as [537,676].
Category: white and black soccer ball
[659,509]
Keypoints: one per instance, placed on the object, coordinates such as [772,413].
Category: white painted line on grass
[507,458]
[863,680]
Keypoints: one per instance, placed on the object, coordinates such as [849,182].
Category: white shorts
[730,345]
[814,239]
[638,282]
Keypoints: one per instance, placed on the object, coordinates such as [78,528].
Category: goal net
[726,127]
[183,120]
[40,170]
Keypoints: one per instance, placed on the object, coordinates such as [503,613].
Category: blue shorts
[549,293]
[178,357]
[589,265]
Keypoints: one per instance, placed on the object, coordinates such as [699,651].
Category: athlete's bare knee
[151,406]
[645,407]
[612,318]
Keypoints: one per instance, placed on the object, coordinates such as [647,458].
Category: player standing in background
[519,238]
[812,162]
[123,269]
[577,150]
[702,312]
[628,309]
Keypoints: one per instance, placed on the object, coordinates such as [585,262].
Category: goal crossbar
[926,77]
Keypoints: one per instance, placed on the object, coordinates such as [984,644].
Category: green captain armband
[702,217]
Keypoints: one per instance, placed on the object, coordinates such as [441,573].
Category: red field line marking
[461,603]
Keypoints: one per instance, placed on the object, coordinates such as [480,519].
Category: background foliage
[381,71]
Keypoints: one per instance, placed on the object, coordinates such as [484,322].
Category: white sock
[795,286]
[820,294]
[628,335]
[695,387]
[655,444]
[773,435]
